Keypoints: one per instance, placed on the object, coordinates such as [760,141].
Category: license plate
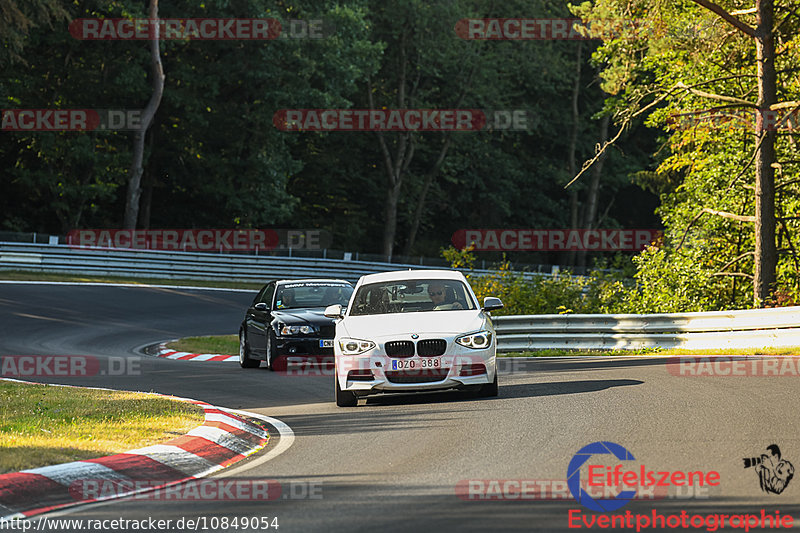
[326,343]
[416,364]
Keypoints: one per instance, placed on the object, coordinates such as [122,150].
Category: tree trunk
[572,148]
[766,254]
[594,188]
[147,200]
[390,228]
[397,167]
[135,171]
[148,180]
[420,209]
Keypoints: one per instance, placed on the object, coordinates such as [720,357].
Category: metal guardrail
[719,330]
[754,328]
[188,265]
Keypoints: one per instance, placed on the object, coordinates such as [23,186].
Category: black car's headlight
[480,340]
[355,346]
[296,330]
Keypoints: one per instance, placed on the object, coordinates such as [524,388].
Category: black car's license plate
[326,343]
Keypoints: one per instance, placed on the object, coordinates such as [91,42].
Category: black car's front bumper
[302,347]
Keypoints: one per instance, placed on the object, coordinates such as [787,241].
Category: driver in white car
[443,297]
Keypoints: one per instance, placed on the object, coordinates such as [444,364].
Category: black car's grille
[327,332]
[400,348]
[431,347]
[424,375]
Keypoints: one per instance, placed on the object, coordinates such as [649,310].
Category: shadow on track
[531,390]
[512,364]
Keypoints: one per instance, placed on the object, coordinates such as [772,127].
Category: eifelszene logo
[774,473]
[574,477]
[613,478]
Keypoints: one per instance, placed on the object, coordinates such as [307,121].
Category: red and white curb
[224,438]
[166,353]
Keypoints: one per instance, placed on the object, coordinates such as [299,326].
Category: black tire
[490,389]
[244,353]
[344,398]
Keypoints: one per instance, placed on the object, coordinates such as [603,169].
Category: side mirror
[261,306]
[490,303]
[333,311]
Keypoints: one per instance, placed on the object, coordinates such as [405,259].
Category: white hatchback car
[413,330]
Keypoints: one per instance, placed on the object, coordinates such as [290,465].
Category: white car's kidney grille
[431,347]
[400,348]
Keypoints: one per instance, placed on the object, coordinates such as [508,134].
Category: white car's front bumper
[373,373]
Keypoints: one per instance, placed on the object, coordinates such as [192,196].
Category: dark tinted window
[312,294]
[265,294]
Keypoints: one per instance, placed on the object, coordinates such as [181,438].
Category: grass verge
[221,344]
[42,425]
[229,344]
[19,275]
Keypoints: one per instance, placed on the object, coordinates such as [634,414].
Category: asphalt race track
[394,463]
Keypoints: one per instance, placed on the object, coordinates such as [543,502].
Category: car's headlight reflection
[355,346]
[297,330]
[480,340]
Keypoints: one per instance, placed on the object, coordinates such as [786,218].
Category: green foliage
[18,18]
[706,260]
[564,293]
[213,157]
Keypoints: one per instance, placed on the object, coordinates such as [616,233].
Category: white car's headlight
[355,346]
[297,330]
[480,340]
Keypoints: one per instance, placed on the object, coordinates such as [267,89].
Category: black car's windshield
[410,296]
[311,294]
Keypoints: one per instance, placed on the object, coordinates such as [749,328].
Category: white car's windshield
[411,296]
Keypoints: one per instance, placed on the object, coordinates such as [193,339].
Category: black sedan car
[286,320]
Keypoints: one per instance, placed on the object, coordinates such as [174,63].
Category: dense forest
[658,96]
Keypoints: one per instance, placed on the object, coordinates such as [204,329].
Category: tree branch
[712,96]
[735,259]
[705,210]
[738,274]
[725,214]
[785,105]
[727,17]
[679,85]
